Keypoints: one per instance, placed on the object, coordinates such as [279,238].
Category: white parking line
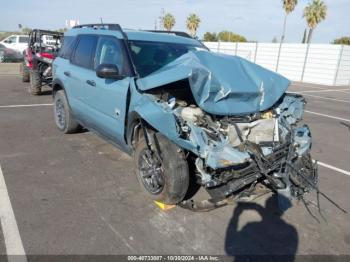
[326,98]
[324,90]
[333,117]
[334,168]
[13,242]
[307,86]
[30,105]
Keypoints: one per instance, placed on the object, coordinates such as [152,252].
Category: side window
[110,50]
[11,40]
[84,50]
[67,47]
[23,39]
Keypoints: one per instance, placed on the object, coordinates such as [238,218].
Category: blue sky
[258,20]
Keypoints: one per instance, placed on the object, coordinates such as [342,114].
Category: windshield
[149,56]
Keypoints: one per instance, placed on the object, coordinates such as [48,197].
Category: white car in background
[16,42]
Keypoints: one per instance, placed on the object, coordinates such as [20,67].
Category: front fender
[160,117]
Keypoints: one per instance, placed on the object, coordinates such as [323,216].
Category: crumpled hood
[221,84]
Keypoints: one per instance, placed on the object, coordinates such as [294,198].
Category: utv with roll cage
[43,47]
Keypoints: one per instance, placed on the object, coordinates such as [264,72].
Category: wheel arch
[57,85]
[133,128]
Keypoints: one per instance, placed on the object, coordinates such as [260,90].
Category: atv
[43,47]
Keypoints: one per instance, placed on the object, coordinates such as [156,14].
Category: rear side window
[67,47]
[23,39]
[84,51]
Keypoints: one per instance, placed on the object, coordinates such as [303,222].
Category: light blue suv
[185,114]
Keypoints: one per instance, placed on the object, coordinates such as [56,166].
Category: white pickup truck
[16,42]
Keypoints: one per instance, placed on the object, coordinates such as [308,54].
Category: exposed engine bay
[233,152]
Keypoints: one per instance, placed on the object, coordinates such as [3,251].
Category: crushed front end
[234,152]
[236,122]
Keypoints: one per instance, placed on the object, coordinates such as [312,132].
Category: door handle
[91,82]
[66,73]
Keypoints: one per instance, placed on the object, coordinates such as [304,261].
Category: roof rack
[115,27]
[178,33]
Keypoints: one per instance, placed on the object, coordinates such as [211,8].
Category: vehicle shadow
[271,236]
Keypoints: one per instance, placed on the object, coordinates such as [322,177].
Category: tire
[174,176]
[35,83]
[24,73]
[63,117]
[2,57]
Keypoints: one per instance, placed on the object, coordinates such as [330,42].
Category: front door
[107,98]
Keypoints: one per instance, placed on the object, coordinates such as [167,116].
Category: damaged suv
[183,111]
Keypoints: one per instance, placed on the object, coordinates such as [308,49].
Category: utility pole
[161,17]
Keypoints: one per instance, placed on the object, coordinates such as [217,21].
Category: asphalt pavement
[76,194]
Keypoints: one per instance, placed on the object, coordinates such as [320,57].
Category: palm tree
[304,37]
[314,13]
[288,6]
[168,21]
[192,24]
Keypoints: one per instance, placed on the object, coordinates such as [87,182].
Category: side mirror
[108,71]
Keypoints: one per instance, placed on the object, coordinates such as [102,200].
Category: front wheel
[163,175]
[24,72]
[63,117]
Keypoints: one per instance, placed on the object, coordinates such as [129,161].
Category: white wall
[343,76]
[317,63]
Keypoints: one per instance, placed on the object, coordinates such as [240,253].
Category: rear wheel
[35,82]
[164,176]
[24,73]
[2,57]
[63,117]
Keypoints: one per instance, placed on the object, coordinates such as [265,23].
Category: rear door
[107,98]
[79,70]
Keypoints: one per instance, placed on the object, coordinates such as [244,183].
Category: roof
[136,35]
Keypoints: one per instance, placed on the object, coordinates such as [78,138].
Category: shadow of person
[270,236]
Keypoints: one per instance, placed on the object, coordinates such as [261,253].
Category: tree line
[24,31]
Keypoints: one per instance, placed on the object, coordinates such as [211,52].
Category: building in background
[72,23]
